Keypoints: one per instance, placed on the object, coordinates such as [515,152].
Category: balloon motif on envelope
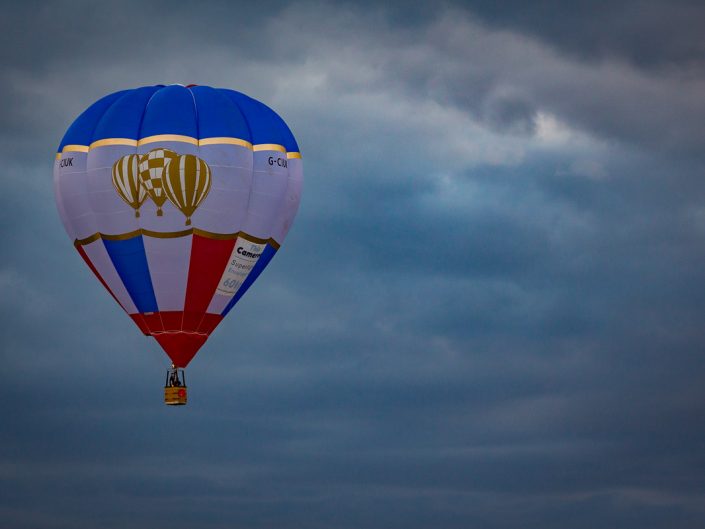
[177,198]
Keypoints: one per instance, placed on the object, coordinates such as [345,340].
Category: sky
[489,309]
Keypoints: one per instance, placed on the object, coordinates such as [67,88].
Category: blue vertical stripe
[130,261]
[261,264]
[170,110]
[124,117]
[265,125]
[81,131]
[218,116]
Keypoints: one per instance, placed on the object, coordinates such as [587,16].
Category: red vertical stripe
[209,323]
[171,320]
[83,254]
[209,257]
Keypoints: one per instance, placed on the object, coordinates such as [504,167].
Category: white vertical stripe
[168,261]
[290,206]
[269,184]
[60,202]
[225,208]
[74,190]
[206,183]
[218,303]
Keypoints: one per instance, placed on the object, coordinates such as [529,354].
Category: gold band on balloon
[225,141]
[269,147]
[167,137]
[175,235]
[219,140]
[113,141]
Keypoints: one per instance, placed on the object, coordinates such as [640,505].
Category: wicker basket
[175,395]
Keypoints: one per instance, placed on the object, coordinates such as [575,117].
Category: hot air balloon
[187,180]
[151,170]
[177,197]
[127,183]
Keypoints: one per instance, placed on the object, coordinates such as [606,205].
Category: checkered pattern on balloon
[162,175]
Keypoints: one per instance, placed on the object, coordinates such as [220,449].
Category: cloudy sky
[490,308]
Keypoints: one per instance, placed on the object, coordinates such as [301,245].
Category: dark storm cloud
[649,34]
[488,312]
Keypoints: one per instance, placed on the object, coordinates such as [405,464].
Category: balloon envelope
[177,198]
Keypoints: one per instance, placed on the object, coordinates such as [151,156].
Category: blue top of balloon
[195,111]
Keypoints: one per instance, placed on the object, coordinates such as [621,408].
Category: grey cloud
[502,78]
[649,34]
